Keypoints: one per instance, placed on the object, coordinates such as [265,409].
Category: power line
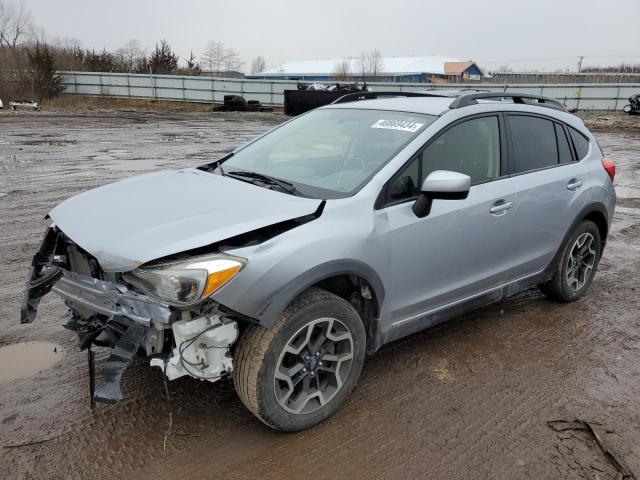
[571,57]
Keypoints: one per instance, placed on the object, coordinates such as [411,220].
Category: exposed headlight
[187,281]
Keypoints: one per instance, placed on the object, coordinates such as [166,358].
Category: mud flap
[120,359]
[43,274]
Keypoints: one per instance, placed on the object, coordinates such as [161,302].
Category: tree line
[30,60]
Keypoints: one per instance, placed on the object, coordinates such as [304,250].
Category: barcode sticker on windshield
[404,125]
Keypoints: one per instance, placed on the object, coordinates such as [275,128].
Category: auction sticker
[404,125]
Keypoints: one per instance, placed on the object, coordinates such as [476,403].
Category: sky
[540,34]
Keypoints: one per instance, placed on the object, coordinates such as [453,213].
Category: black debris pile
[237,103]
[313,95]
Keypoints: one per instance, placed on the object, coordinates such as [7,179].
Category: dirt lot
[469,399]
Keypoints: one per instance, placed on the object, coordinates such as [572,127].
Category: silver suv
[285,262]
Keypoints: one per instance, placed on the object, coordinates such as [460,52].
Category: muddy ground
[469,399]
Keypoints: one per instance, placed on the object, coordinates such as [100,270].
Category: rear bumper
[111,299]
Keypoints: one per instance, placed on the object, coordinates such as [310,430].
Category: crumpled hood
[142,218]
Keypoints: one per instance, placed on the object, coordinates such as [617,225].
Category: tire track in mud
[466,399]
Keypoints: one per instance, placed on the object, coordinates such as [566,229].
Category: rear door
[549,186]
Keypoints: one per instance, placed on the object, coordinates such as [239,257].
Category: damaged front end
[108,309]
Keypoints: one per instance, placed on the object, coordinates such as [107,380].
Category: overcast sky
[540,33]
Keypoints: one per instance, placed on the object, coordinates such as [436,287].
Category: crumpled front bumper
[104,313]
[49,271]
[110,299]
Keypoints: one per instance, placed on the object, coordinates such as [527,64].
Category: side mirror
[441,184]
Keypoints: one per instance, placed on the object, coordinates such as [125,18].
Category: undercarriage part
[202,349]
[92,377]
[122,335]
[120,359]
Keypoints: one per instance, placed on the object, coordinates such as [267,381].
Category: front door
[458,250]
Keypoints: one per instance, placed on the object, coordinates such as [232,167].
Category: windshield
[329,153]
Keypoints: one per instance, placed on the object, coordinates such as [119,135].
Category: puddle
[21,360]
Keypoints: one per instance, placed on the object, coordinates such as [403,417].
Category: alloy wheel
[313,366]
[581,261]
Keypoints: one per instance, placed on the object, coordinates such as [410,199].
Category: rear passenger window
[534,143]
[581,143]
[564,150]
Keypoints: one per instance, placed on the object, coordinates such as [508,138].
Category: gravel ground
[468,399]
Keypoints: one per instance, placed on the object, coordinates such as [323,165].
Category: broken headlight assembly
[185,282]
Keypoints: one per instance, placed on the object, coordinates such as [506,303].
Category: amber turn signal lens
[217,279]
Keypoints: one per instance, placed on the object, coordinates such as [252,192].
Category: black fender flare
[271,311]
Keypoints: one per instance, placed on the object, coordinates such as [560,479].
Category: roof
[390,65]
[439,105]
[428,105]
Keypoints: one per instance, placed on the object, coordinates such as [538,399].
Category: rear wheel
[577,266]
[296,374]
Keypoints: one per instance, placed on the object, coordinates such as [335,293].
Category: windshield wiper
[286,186]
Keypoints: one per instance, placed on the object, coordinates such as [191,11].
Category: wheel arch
[599,217]
[348,279]
[595,212]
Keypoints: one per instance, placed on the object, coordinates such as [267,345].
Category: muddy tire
[295,374]
[577,265]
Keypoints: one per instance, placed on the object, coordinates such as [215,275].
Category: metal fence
[580,96]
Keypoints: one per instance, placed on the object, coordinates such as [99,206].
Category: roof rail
[354,97]
[472,99]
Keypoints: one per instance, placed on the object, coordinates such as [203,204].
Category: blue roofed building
[426,69]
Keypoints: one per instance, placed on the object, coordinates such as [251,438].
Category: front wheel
[298,372]
[627,108]
[575,269]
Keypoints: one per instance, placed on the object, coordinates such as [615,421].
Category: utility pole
[580,59]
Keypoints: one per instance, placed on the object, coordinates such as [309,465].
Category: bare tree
[232,61]
[342,70]
[362,65]
[213,57]
[370,64]
[258,64]
[130,54]
[374,63]
[15,24]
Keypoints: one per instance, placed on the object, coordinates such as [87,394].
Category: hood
[142,218]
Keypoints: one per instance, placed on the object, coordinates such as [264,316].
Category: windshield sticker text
[404,125]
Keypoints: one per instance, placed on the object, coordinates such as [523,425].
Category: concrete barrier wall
[584,96]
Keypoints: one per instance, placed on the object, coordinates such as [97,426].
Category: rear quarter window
[564,149]
[534,143]
[580,143]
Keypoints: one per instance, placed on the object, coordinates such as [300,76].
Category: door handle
[574,185]
[501,207]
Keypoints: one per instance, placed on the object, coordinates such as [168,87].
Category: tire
[262,351]
[627,108]
[569,284]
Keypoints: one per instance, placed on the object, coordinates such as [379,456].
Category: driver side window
[471,147]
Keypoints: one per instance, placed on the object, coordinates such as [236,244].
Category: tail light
[609,167]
